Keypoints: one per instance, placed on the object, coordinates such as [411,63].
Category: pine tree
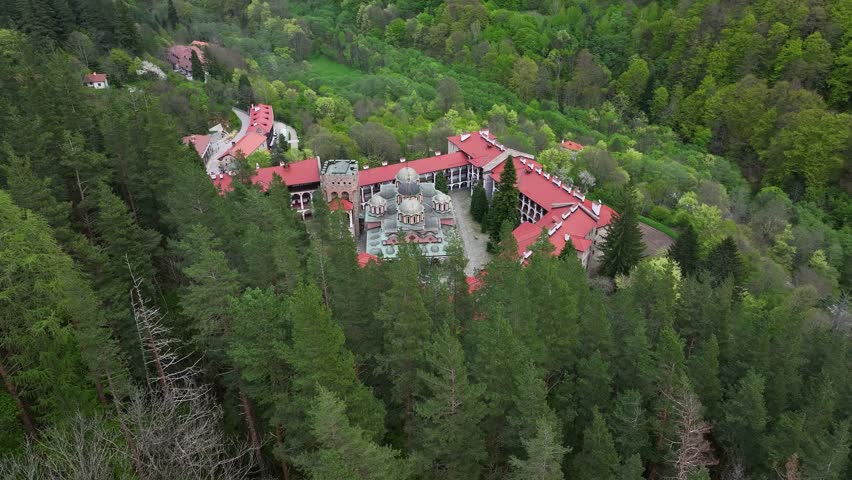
[529,407]
[623,247]
[631,468]
[685,251]
[41,366]
[629,423]
[449,436]
[173,21]
[743,427]
[245,92]
[704,374]
[406,326]
[479,204]
[598,458]
[268,222]
[257,347]
[724,261]
[635,366]
[594,383]
[544,454]
[212,284]
[345,451]
[279,150]
[320,359]
[197,67]
[441,183]
[504,204]
[124,29]
[125,247]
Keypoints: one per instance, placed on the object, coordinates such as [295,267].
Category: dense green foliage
[735,348]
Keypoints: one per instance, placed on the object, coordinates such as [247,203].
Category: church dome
[410,206]
[407,175]
[441,202]
[376,205]
[408,182]
[441,197]
[378,201]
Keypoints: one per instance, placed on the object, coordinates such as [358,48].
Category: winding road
[280,128]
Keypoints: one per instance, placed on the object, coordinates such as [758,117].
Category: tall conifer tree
[504,204]
[623,247]
[345,451]
[319,358]
[449,435]
[685,250]
[597,459]
[197,67]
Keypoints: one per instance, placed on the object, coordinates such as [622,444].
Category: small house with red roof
[572,147]
[96,80]
[200,143]
[180,57]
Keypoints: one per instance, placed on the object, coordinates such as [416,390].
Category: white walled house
[96,80]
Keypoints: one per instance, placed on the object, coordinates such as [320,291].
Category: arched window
[345,195]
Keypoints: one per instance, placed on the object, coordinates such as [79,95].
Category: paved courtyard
[471,234]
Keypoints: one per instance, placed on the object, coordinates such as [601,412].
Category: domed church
[408,210]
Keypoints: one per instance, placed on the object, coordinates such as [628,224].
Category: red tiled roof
[297,173]
[424,165]
[247,145]
[571,213]
[200,142]
[545,192]
[474,283]
[475,145]
[364,258]
[573,146]
[181,55]
[260,119]
[576,226]
[95,77]
[338,203]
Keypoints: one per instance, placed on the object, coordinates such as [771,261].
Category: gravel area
[657,243]
[471,234]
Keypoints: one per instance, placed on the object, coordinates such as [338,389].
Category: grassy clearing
[327,71]
[659,226]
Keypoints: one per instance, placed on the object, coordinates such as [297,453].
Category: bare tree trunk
[250,424]
[101,395]
[23,411]
[279,442]
[128,437]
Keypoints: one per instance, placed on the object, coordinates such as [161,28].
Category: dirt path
[656,242]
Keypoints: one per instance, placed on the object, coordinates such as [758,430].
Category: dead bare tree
[175,426]
[839,316]
[182,437]
[690,447]
[791,468]
[734,470]
[85,448]
[174,374]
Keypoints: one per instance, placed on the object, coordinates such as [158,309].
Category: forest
[151,328]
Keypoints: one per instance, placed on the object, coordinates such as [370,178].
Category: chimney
[384,164]
[257,166]
[402,160]
[366,167]
[437,154]
[221,175]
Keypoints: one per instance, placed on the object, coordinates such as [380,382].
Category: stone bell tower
[339,180]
